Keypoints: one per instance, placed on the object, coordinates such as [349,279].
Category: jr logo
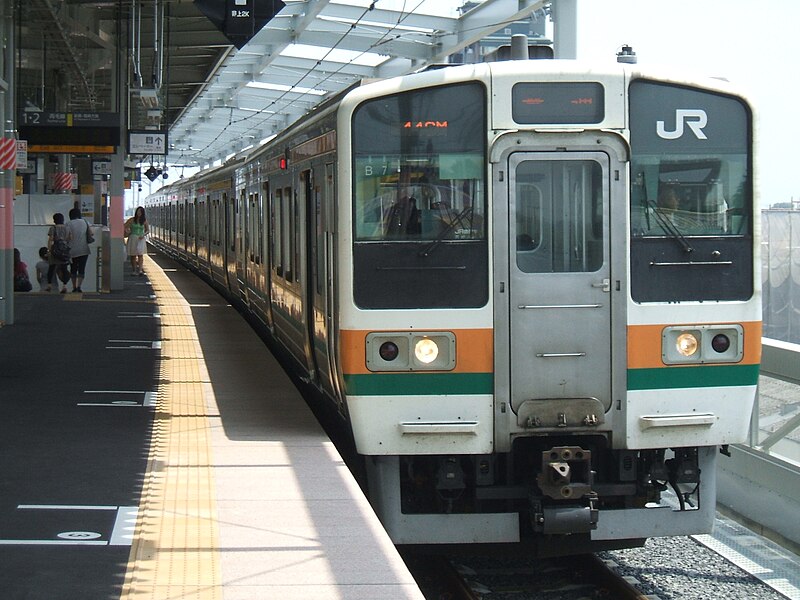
[695,118]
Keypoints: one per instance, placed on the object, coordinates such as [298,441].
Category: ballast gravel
[680,567]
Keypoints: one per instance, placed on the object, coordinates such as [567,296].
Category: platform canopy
[312,49]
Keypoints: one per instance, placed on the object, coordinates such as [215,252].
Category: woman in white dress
[136,230]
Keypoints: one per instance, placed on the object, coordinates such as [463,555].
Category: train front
[550,320]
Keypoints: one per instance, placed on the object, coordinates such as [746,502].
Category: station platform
[152,447]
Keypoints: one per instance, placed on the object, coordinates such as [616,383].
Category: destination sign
[557,103]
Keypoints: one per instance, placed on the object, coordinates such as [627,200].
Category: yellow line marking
[175,548]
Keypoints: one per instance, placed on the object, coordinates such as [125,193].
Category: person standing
[78,247]
[58,265]
[41,269]
[136,229]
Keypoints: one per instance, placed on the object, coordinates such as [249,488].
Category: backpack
[60,248]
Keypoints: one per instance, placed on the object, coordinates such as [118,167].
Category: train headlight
[686,344]
[411,351]
[426,351]
[699,344]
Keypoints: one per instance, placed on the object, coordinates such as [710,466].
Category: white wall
[33,216]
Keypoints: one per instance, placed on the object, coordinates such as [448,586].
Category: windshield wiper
[458,219]
[666,224]
[670,229]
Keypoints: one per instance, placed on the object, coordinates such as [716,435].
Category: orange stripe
[644,345]
[474,351]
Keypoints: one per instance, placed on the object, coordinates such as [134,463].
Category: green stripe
[419,384]
[684,377]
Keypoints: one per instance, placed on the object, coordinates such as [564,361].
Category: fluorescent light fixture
[277,87]
[364,59]
[257,110]
[364,24]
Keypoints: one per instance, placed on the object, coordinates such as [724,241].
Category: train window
[324,225]
[419,199]
[286,227]
[559,216]
[191,224]
[214,220]
[201,209]
[690,163]
[296,226]
[691,196]
[264,204]
[258,239]
[419,166]
[228,224]
[277,233]
[247,225]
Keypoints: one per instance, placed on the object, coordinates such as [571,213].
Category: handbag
[89,234]
[22,283]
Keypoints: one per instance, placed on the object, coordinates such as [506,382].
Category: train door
[242,241]
[229,249]
[319,233]
[266,237]
[306,249]
[559,301]
[327,267]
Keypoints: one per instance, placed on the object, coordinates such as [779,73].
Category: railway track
[494,576]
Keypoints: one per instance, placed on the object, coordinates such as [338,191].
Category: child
[41,269]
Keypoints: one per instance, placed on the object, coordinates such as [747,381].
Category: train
[530,288]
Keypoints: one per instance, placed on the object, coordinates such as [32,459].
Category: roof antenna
[627,55]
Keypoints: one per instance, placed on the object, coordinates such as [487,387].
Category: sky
[752,44]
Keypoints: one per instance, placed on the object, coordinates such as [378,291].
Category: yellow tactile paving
[174,553]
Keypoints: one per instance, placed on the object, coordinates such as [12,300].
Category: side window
[228,211]
[241,224]
[287,227]
[265,221]
[277,233]
[247,205]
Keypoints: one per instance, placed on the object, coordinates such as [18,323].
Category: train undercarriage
[566,493]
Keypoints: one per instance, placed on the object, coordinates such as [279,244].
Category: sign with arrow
[147,142]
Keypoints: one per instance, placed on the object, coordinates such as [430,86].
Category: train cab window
[690,194]
[419,198]
[421,180]
[690,166]
[694,196]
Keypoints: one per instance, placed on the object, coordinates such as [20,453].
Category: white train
[531,288]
